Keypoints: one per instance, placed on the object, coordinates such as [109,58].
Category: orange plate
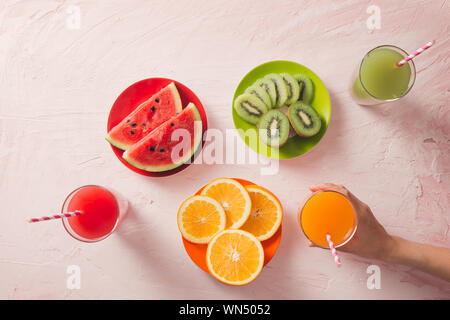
[197,252]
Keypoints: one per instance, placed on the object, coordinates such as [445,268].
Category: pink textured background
[56,88]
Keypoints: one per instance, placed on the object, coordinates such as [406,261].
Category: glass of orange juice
[328,212]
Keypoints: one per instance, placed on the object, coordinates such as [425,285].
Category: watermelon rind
[115,143]
[198,133]
[178,108]
[176,94]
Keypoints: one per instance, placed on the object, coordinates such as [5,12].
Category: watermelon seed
[152,149]
[128,120]
[134,124]
[172,124]
[161,150]
[156,100]
[153,109]
[132,132]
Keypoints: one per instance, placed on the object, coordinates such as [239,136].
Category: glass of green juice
[378,79]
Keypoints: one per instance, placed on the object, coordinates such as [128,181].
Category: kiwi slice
[269,87]
[306,88]
[261,94]
[304,119]
[280,87]
[274,128]
[292,86]
[285,110]
[249,107]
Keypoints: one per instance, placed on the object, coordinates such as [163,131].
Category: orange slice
[200,218]
[234,199]
[265,217]
[235,257]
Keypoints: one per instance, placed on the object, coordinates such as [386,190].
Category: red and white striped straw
[415,53]
[333,251]
[55,216]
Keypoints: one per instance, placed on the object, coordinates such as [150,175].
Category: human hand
[370,240]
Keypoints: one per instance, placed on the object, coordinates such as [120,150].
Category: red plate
[139,92]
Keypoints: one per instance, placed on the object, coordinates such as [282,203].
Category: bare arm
[429,259]
[372,241]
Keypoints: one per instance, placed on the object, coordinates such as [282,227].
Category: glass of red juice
[102,211]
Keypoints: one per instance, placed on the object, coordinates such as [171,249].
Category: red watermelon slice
[170,145]
[147,116]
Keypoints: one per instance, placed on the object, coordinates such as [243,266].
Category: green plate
[297,145]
